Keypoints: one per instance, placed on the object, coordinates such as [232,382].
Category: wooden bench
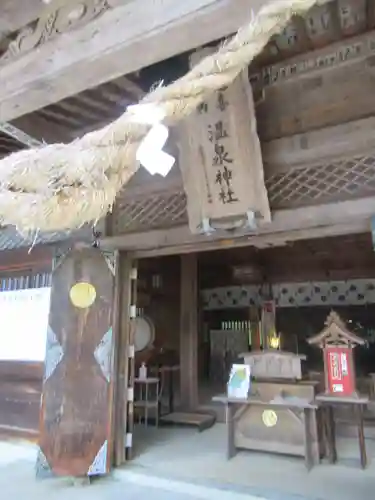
[357,405]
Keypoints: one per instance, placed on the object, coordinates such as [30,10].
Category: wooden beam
[19,135]
[314,63]
[189,332]
[335,96]
[279,239]
[100,51]
[318,146]
[297,151]
[287,225]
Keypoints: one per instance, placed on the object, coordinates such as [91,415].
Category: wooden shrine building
[272,195]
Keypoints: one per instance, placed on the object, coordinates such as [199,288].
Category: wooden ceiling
[91,109]
[77,115]
[342,257]
[8,145]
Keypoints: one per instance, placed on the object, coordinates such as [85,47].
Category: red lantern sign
[337,343]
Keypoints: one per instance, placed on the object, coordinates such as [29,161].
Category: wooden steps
[201,420]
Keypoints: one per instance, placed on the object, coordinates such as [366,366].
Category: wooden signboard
[221,160]
[76,408]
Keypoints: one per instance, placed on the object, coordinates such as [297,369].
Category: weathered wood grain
[110,47]
[318,146]
[20,392]
[336,96]
[189,331]
[76,411]
[345,217]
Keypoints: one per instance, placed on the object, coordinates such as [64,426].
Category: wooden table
[145,400]
[235,408]
[166,374]
[327,403]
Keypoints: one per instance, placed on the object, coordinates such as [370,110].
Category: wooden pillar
[121,347]
[189,332]
[124,356]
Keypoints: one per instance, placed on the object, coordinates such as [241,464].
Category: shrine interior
[305,280]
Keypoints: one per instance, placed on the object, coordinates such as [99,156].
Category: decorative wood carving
[319,23]
[58,17]
[335,55]
[352,15]
[288,38]
[335,332]
[221,161]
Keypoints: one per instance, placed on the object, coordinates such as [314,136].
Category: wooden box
[274,364]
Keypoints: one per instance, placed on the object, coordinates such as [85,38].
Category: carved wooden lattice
[156,211]
[340,180]
[298,187]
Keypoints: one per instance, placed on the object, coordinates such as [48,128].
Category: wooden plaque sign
[221,160]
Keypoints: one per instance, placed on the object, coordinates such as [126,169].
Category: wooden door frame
[123,357]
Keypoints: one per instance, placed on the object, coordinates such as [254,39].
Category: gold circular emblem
[82,295]
[269,418]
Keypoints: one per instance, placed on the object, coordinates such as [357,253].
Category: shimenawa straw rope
[63,186]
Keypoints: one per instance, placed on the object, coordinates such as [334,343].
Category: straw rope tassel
[58,187]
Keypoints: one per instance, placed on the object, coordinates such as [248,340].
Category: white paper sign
[24,320]
[239,381]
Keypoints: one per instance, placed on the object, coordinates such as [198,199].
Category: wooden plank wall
[20,381]
[318,100]
[20,391]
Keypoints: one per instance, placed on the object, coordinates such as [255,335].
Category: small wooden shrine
[337,343]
